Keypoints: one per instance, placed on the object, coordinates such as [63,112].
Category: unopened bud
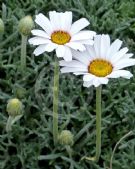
[1,26]
[14,107]
[20,92]
[66,138]
[25,25]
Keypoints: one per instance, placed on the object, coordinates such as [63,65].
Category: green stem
[125,136]
[55,101]
[23,53]
[98,127]
[9,123]
[98,122]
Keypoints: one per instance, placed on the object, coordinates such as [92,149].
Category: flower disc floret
[60,37]
[100,67]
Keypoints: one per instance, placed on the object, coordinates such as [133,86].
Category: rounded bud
[20,92]
[14,107]
[25,25]
[66,138]
[1,26]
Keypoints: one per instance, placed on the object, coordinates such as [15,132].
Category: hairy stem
[23,52]
[55,101]
[98,123]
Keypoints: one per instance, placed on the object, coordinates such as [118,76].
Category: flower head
[100,62]
[14,107]
[66,138]
[25,26]
[60,34]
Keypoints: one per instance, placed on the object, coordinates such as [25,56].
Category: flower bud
[25,25]
[20,92]
[66,138]
[1,26]
[14,107]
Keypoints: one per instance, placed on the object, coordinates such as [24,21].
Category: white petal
[44,22]
[72,63]
[75,69]
[38,41]
[79,25]
[60,51]
[115,46]
[128,55]
[88,77]
[39,50]
[68,54]
[40,33]
[91,51]
[96,82]
[103,80]
[61,20]
[117,56]
[76,46]
[42,48]
[86,42]
[105,44]
[81,73]
[66,21]
[82,35]
[124,63]
[120,73]
[97,45]
[87,84]
[51,46]
[83,57]
[55,20]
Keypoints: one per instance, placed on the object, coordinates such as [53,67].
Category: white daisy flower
[60,34]
[100,62]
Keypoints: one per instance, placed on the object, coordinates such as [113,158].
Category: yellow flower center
[60,37]
[100,67]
